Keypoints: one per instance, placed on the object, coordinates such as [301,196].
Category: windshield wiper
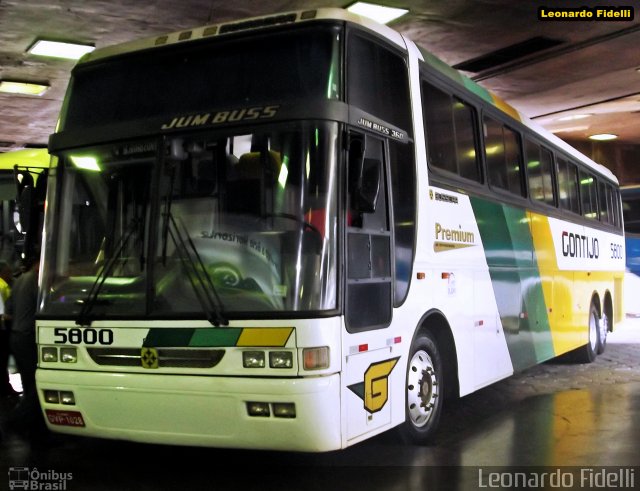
[83,318]
[205,290]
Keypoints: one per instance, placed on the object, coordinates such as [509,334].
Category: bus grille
[167,357]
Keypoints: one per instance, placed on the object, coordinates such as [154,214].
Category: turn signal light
[316,358]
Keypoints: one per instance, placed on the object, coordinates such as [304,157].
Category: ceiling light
[56,49]
[603,137]
[573,117]
[25,88]
[379,13]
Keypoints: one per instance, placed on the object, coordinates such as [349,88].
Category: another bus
[23,181]
[631,216]
[298,231]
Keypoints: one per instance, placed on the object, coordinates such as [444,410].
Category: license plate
[64,418]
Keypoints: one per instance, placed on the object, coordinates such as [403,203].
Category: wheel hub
[422,388]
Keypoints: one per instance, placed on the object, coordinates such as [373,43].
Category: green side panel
[164,338]
[181,338]
[516,282]
[215,337]
[477,90]
[441,66]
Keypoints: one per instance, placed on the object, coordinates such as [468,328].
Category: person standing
[6,276]
[21,311]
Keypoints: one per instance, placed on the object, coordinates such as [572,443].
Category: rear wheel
[587,354]
[424,390]
[604,330]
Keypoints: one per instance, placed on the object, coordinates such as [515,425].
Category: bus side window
[449,129]
[568,186]
[502,153]
[539,172]
[605,215]
[588,195]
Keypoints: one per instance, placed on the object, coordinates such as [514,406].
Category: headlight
[49,354]
[68,355]
[280,359]
[253,359]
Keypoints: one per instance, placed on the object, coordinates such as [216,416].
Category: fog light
[52,396]
[316,358]
[68,355]
[67,398]
[280,359]
[284,410]
[253,359]
[258,409]
[49,354]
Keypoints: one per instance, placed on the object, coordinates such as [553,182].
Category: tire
[424,391]
[603,331]
[587,354]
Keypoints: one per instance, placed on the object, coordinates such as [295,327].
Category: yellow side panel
[568,325]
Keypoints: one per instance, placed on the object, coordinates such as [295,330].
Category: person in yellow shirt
[6,389]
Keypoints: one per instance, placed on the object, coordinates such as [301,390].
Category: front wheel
[424,390]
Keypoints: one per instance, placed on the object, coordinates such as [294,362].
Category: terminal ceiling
[548,70]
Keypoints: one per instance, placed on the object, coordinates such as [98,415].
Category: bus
[298,231]
[23,181]
[631,216]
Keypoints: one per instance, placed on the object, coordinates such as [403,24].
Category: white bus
[298,231]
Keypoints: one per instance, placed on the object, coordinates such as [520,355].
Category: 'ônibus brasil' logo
[374,391]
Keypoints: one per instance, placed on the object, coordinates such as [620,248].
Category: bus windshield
[241,223]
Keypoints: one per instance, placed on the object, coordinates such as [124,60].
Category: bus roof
[28,157]
[253,23]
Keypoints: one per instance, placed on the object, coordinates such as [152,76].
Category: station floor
[579,424]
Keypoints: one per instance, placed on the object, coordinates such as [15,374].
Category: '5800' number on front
[75,335]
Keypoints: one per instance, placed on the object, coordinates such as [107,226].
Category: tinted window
[539,172]
[588,195]
[403,195]
[378,82]
[568,186]
[449,128]
[502,153]
[226,74]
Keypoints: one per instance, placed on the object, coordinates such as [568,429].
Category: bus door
[368,299]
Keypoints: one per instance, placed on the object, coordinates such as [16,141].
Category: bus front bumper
[195,410]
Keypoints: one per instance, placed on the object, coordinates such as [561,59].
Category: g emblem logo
[374,391]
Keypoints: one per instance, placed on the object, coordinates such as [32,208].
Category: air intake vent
[167,357]
[508,54]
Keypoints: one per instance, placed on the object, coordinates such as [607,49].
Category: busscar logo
[374,391]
